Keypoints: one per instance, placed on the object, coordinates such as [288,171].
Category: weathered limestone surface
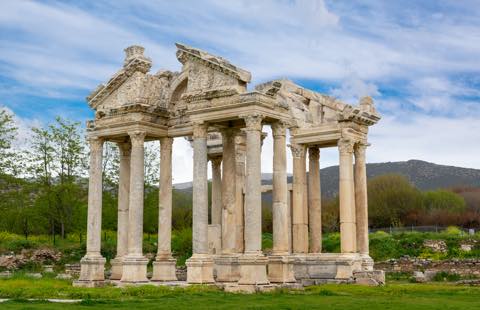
[314,201]
[93,263]
[299,225]
[123,202]
[347,198]
[164,265]
[135,263]
[207,101]
[200,265]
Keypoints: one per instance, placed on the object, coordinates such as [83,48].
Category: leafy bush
[446,276]
[182,245]
[331,243]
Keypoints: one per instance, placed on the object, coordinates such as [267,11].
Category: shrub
[446,276]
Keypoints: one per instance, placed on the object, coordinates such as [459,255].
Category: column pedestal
[280,269]
[253,270]
[117,268]
[200,269]
[134,269]
[164,269]
[227,267]
[91,272]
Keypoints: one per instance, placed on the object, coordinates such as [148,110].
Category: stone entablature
[208,103]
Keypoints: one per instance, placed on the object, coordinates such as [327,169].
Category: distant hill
[422,174]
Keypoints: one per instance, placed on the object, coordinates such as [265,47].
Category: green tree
[8,131]
[443,200]
[58,162]
[392,200]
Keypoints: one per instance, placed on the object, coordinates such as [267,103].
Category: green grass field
[392,296]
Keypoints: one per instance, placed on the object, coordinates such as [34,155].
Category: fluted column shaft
[123,198]
[229,224]
[200,190]
[253,193]
[165,199]
[135,214]
[240,158]
[314,201]
[94,225]
[216,190]
[299,212]
[361,200]
[281,229]
[347,197]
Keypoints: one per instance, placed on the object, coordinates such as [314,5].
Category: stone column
[215,228]
[164,265]
[227,263]
[135,263]
[228,192]
[361,205]
[299,212]
[216,190]
[123,201]
[280,266]
[253,263]
[92,264]
[240,158]
[200,265]
[347,197]
[314,201]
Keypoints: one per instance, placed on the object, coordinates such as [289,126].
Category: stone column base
[200,269]
[367,262]
[164,270]
[253,269]
[134,269]
[92,271]
[117,268]
[227,268]
[280,269]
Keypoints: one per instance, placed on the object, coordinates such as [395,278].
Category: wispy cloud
[419,59]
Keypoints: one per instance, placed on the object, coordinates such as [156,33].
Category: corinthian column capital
[345,146]
[137,137]
[253,121]
[96,144]
[298,150]
[124,148]
[279,129]
[166,143]
[314,153]
[200,130]
[360,149]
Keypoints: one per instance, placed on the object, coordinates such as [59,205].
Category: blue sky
[418,59]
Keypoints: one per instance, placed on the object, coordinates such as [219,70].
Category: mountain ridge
[424,175]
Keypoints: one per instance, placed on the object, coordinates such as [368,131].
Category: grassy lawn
[393,296]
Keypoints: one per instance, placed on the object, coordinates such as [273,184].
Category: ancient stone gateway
[208,102]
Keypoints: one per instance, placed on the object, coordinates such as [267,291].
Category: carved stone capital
[137,137]
[298,150]
[216,161]
[360,149]
[96,144]
[279,129]
[314,153]
[166,143]
[253,121]
[200,130]
[124,148]
[345,146]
